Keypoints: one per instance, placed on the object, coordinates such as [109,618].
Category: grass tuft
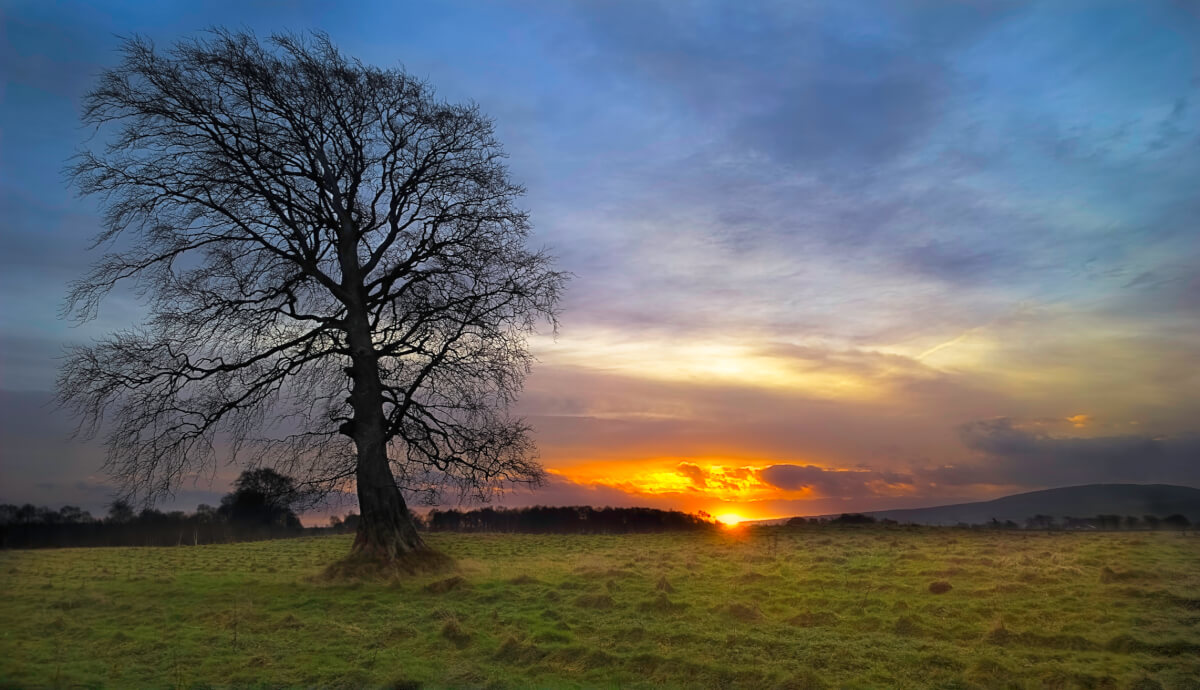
[452,630]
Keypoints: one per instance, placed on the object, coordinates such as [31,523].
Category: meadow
[745,608]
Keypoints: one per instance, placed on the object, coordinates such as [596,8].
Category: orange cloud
[1079,421]
[718,486]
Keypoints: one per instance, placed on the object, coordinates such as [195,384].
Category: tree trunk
[385,534]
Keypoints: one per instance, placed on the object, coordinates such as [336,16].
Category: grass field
[756,609]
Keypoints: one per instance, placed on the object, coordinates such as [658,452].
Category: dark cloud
[834,483]
[836,84]
[693,472]
[558,491]
[1031,457]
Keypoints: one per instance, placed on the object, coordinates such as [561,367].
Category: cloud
[852,483]
[561,491]
[695,473]
[1027,455]
[848,85]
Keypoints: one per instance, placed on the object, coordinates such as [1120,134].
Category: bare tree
[336,275]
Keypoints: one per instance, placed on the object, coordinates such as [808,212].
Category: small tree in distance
[262,496]
[336,275]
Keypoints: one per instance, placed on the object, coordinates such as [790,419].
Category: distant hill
[1074,501]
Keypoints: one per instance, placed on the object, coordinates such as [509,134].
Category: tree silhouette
[262,496]
[119,511]
[335,270]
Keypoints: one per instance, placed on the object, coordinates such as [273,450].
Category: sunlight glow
[730,519]
[821,372]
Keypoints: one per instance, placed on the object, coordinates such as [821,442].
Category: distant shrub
[853,519]
[1176,521]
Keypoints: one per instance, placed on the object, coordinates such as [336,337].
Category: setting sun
[730,519]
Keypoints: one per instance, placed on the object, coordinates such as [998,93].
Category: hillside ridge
[1086,500]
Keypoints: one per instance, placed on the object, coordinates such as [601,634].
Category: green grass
[756,609]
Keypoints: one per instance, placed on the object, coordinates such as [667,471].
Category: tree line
[1175,521]
[262,505]
[566,520]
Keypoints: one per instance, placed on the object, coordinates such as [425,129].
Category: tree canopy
[335,270]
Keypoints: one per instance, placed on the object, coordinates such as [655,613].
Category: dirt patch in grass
[1128,644]
[940,587]
[1002,636]
[661,604]
[514,650]
[988,672]
[1109,576]
[289,622]
[814,619]
[907,626]
[752,577]
[452,630]
[747,613]
[592,572]
[446,585]
[399,632]
[594,601]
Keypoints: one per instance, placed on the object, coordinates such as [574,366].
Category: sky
[828,256]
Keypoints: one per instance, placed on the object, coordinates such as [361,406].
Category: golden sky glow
[732,493]
[813,370]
